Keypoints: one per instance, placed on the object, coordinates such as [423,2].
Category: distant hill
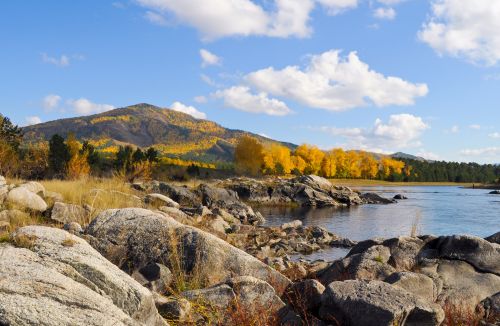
[405,156]
[175,134]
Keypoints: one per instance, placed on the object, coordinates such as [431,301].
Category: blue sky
[416,76]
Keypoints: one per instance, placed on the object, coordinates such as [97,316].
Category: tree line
[255,158]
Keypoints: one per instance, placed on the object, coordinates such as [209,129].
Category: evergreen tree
[152,155]
[59,155]
[10,133]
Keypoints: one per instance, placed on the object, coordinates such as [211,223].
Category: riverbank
[201,256]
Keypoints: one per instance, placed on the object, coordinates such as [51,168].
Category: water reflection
[438,210]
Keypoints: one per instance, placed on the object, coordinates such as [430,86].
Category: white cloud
[62,61]
[487,152]
[155,18]
[475,126]
[241,98]
[495,135]
[335,83]
[33,120]
[384,13]
[208,58]
[428,155]
[390,2]
[455,129]
[401,131]
[50,102]
[83,106]
[222,18]
[200,99]
[466,29]
[191,110]
[335,7]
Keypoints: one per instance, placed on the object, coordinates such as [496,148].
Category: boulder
[156,277]
[400,197]
[22,198]
[305,295]
[376,303]
[291,225]
[404,251]
[34,187]
[491,309]
[418,284]
[132,238]
[159,200]
[174,309]
[494,192]
[462,284]
[4,190]
[176,213]
[181,195]
[482,254]
[3,182]
[373,198]
[494,238]
[53,197]
[369,265]
[66,213]
[51,277]
[73,228]
[245,295]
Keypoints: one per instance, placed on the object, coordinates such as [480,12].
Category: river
[438,210]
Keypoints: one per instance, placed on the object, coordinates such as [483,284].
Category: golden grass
[98,194]
[366,182]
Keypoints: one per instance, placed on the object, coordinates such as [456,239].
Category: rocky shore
[202,256]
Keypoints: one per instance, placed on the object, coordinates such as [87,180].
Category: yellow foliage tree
[249,155]
[313,157]
[353,164]
[341,162]
[329,165]
[368,165]
[390,166]
[298,163]
[277,159]
[78,165]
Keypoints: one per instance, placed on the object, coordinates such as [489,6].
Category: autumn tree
[353,164]
[277,159]
[299,165]
[34,160]
[249,156]
[368,165]
[341,163]
[390,167]
[78,165]
[328,165]
[313,157]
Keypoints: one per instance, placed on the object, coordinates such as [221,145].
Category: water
[434,210]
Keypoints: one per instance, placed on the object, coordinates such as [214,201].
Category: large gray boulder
[180,194]
[23,198]
[376,303]
[132,238]
[419,284]
[67,213]
[482,254]
[369,265]
[50,277]
[494,238]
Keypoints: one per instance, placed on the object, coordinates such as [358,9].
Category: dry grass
[68,242]
[98,194]
[23,240]
[457,314]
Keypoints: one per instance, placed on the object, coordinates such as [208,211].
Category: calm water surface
[435,210]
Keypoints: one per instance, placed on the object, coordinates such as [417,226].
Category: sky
[417,76]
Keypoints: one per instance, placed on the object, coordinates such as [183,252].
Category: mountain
[406,156]
[176,134]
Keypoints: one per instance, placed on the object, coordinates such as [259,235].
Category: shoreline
[381,183]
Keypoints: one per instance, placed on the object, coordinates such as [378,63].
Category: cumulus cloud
[191,110]
[221,18]
[155,18]
[495,135]
[241,98]
[466,29]
[208,58]
[486,152]
[336,83]
[50,102]
[33,120]
[62,61]
[400,132]
[428,155]
[84,106]
[384,13]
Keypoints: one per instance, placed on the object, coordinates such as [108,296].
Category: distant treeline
[425,171]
